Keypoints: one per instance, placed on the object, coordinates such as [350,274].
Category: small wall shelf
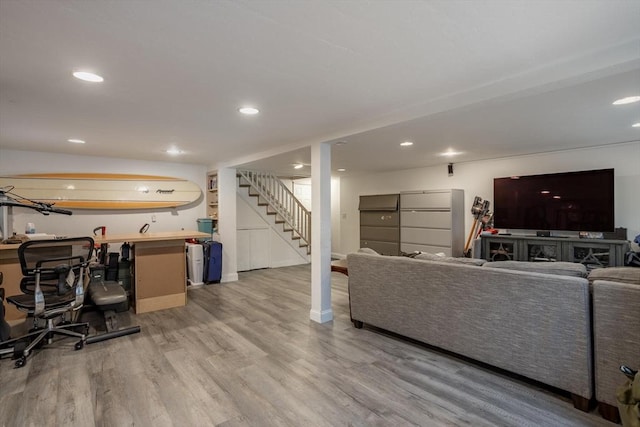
[212,195]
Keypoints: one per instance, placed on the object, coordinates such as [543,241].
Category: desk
[159,269]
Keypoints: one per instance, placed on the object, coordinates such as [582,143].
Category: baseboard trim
[232,277]
[145,305]
[289,263]
[321,316]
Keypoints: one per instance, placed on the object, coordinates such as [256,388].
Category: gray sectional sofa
[534,324]
[616,329]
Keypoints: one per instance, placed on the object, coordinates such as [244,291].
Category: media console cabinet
[593,253]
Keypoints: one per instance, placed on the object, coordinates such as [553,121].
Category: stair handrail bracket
[282,200]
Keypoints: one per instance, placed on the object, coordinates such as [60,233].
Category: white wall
[82,222]
[476,178]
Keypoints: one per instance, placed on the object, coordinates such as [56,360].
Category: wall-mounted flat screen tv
[571,201]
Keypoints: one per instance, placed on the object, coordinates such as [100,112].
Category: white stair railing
[281,199]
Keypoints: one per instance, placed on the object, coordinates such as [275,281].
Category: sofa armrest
[616,325]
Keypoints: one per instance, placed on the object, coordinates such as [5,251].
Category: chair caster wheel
[79,345]
[18,349]
[21,362]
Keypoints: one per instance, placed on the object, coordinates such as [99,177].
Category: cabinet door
[383,248]
[260,248]
[379,219]
[592,255]
[536,250]
[500,249]
[244,250]
[253,249]
[412,247]
[430,219]
[428,200]
[383,234]
[425,236]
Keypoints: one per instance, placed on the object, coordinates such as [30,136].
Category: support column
[6,222]
[227,188]
[321,311]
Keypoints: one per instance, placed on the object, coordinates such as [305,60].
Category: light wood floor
[246,353]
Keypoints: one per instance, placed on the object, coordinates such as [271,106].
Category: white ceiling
[491,79]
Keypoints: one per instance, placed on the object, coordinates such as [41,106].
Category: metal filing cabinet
[380,223]
[432,221]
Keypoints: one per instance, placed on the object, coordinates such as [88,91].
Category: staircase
[281,202]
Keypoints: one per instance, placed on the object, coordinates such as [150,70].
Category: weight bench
[110,298]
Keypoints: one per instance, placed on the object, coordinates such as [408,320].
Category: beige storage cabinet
[432,221]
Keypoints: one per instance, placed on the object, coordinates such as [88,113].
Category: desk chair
[5,329]
[52,291]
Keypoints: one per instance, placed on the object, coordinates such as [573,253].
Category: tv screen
[571,201]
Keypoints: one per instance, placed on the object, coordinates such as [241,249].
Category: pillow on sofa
[629,275]
[367,251]
[560,268]
[455,260]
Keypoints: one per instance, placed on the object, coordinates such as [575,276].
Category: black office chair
[5,329]
[53,291]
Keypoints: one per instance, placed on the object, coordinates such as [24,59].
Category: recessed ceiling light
[88,77]
[450,152]
[545,192]
[627,100]
[406,144]
[557,197]
[298,166]
[340,143]
[636,125]
[76,141]
[250,111]
[174,151]
[341,169]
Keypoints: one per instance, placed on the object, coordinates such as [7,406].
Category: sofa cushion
[456,260]
[560,268]
[629,275]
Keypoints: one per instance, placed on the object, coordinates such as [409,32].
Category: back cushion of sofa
[560,268]
[455,260]
[630,275]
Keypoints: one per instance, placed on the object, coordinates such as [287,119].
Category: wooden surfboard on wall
[103,190]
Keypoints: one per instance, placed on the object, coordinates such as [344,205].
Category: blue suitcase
[212,262]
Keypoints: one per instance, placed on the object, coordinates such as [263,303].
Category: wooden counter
[159,269]
[150,237]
